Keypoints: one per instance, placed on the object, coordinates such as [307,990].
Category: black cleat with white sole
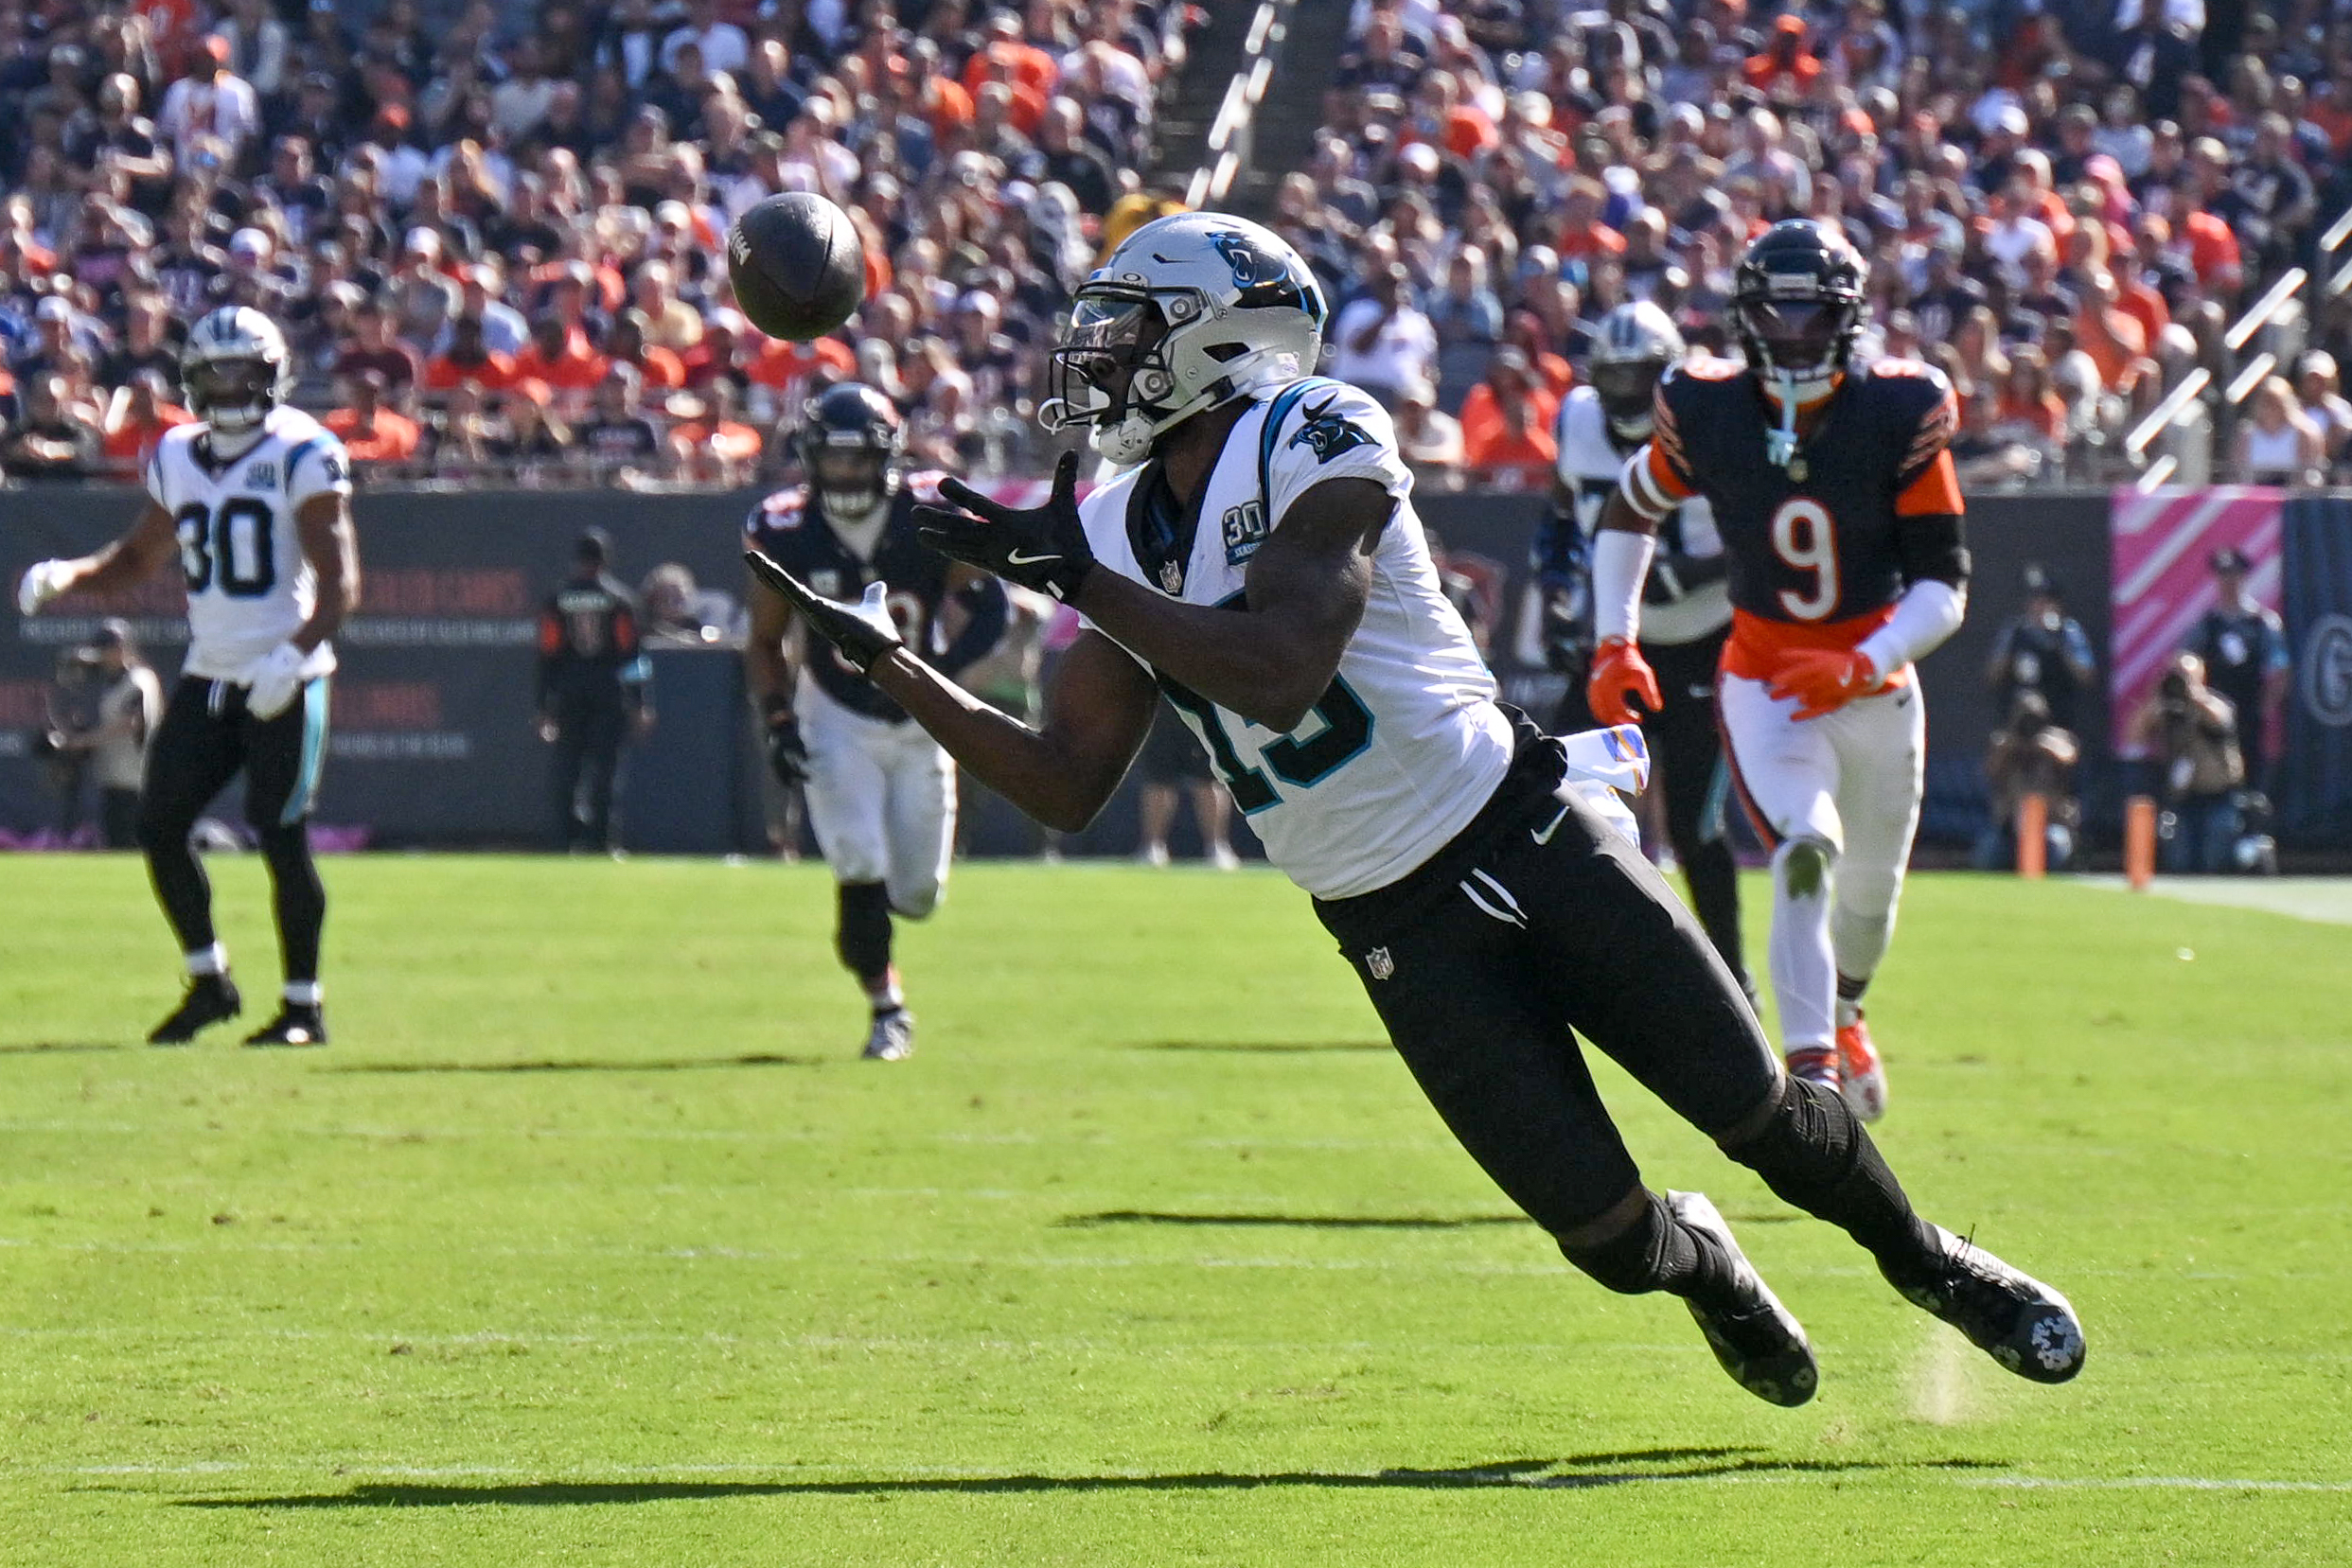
[296,1024]
[2006,1312]
[210,999]
[1758,1340]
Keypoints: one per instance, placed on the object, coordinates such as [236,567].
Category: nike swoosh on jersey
[1016,558]
[1545,836]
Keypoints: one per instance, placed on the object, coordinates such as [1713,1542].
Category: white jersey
[249,584]
[1589,466]
[1408,743]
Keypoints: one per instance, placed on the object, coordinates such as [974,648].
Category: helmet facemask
[1628,392]
[1110,371]
[850,474]
[233,397]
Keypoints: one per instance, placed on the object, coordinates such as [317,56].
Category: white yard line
[2324,899]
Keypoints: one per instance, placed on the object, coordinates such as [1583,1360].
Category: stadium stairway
[1191,108]
[1292,111]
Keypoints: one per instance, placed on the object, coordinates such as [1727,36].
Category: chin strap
[1781,445]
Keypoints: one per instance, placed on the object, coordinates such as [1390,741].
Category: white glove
[42,582]
[273,679]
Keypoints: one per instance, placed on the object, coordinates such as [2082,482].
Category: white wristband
[1929,610]
[1620,561]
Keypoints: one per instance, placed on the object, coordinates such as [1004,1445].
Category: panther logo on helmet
[1190,313]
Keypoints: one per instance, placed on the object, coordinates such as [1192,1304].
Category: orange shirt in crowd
[699,444]
[2114,341]
[1599,239]
[663,371]
[392,439]
[495,374]
[1488,442]
[779,363]
[578,368]
[2143,305]
[2048,415]
[126,445]
[1024,66]
[2211,249]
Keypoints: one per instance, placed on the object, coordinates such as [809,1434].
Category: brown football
[798,267]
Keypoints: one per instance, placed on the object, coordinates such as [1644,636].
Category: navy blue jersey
[1817,543]
[790,527]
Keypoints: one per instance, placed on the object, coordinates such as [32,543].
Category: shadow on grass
[1581,1470]
[1299,1222]
[697,1063]
[1264,1048]
[52,1048]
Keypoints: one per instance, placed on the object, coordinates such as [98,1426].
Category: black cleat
[1759,1342]
[892,1038]
[210,999]
[2008,1314]
[296,1024]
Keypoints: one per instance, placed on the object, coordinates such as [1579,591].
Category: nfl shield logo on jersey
[1380,964]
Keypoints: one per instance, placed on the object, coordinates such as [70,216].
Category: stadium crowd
[2064,204]
[494,235]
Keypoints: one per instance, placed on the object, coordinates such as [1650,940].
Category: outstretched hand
[1822,680]
[1042,548]
[863,632]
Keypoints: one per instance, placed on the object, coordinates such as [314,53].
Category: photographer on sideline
[107,736]
[2031,755]
[2189,734]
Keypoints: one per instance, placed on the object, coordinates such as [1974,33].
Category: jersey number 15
[234,550]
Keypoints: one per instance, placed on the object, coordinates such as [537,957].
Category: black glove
[863,631]
[788,755]
[1043,547]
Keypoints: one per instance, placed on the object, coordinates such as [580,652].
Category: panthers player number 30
[233,549]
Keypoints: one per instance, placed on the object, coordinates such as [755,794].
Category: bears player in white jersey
[1262,567]
[253,502]
[1687,608]
[881,794]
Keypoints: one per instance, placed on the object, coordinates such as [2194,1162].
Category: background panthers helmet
[1188,314]
[235,368]
[1635,345]
[849,442]
[1796,302]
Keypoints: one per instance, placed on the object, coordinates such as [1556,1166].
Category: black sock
[862,936]
[1815,1155]
[299,898]
[1657,1252]
[1714,878]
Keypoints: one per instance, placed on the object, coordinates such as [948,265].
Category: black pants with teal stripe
[205,740]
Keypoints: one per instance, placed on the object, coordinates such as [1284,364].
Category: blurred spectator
[136,416]
[2278,443]
[617,441]
[709,445]
[2043,653]
[1467,310]
[672,615]
[528,439]
[1382,342]
[2189,734]
[2031,754]
[560,360]
[54,441]
[1987,456]
[210,101]
[467,360]
[1429,438]
[373,433]
[1507,424]
[376,351]
[2241,647]
[2324,404]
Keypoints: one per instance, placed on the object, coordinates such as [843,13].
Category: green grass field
[589,1243]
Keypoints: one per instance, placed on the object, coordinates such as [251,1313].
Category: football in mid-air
[798,266]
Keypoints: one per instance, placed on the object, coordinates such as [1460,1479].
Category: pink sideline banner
[2159,543]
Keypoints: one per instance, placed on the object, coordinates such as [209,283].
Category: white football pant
[882,797]
[1838,798]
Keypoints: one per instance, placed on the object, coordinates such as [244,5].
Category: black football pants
[205,740]
[1539,924]
[585,771]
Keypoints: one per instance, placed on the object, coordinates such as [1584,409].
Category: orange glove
[1619,672]
[1824,679]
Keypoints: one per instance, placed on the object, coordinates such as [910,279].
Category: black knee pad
[863,935]
[1641,1259]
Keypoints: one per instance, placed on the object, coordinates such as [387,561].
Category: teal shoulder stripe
[1276,412]
[294,458]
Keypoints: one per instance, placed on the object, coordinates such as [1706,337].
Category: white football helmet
[1190,313]
[1637,342]
[236,369]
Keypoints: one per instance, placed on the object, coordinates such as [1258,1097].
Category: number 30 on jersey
[234,548]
